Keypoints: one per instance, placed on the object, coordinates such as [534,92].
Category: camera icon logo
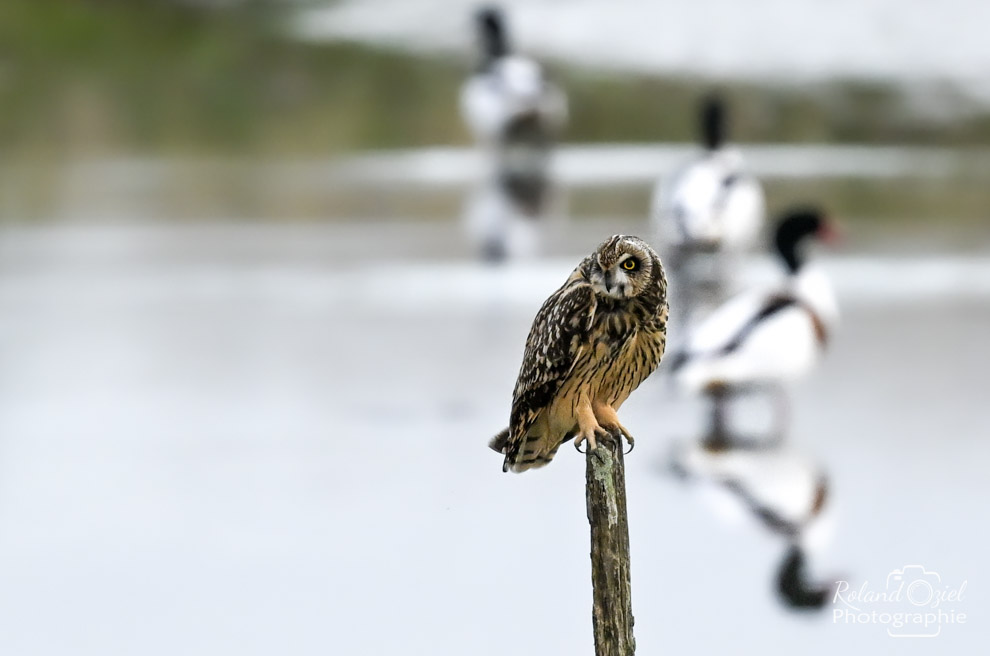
[914,583]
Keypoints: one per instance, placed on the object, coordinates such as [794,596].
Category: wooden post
[606,494]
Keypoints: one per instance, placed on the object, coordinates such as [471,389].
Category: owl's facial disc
[622,267]
[619,280]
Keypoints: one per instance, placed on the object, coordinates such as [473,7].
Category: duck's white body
[761,338]
[507,89]
[710,205]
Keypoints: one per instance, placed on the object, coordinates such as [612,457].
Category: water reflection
[783,490]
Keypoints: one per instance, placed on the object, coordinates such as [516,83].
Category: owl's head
[623,267]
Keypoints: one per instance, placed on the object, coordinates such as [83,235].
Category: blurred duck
[516,116]
[784,491]
[508,95]
[711,204]
[764,339]
[708,212]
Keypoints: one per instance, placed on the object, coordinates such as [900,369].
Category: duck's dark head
[794,229]
[711,122]
[492,33]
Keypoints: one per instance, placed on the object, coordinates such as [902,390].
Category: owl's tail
[534,453]
[500,441]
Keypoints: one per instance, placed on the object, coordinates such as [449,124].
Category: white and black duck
[766,338]
[509,96]
[708,212]
[711,203]
[516,115]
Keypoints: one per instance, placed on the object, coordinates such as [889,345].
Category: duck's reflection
[784,490]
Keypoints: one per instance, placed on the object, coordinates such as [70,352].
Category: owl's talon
[592,444]
[588,437]
[618,432]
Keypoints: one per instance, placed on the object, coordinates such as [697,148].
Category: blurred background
[250,358]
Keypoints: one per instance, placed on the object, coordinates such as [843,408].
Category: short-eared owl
[592,343]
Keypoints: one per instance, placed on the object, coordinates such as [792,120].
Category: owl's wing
[556,340]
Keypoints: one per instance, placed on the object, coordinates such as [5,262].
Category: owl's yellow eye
[629,265]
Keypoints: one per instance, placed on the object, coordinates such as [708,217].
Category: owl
[592,343]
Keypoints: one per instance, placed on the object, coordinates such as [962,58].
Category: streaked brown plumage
[592,343]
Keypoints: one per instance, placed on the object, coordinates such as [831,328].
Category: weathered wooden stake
[606,492]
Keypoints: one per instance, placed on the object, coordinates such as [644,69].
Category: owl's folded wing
[555,343]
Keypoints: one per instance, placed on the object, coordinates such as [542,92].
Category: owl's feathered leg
[588,427]
[605,414]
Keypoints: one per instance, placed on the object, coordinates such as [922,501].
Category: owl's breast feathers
[635,334]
